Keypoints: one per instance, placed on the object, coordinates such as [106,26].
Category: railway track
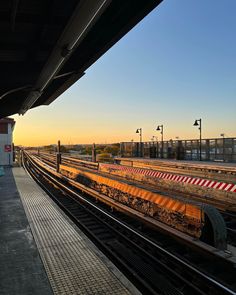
[155,262]
[229,217]
[216,172]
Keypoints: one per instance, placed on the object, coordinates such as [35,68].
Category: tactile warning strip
[72,266]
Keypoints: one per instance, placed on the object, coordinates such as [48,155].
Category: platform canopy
[46,45]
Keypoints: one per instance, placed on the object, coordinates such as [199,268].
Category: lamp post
[160,128]
[223,136]
[200,143]
[139,130]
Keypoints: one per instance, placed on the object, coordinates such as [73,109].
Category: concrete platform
[180,163]
[21,269]
[73,264]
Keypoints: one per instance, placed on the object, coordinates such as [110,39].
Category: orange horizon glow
[165,71]
[31,131]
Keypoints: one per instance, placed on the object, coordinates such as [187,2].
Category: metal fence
[216,149]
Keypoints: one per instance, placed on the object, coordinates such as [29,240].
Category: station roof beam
[46,46]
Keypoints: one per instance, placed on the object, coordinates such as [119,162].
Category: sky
[177,65]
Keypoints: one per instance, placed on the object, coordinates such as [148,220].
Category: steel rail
[188,267]
[218,204]
[221,205]
[147,287]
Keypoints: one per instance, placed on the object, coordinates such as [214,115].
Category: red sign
[7,148]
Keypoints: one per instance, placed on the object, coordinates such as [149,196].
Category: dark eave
[46,46]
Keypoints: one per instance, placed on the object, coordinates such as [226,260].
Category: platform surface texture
[73,264]
[204,164]
[21,269]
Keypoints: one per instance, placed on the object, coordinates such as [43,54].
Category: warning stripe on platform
[229,187]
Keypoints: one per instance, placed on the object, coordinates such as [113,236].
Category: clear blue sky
[175,66]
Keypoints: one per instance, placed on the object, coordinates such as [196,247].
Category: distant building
[6,147]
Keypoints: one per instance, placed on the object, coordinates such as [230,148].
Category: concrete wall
[6,158]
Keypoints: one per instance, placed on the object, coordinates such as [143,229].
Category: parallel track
[230,217]
[152,267]
[219,173]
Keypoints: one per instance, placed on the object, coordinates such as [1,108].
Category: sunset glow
[170,69]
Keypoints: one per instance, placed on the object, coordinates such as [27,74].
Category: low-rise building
[6,146]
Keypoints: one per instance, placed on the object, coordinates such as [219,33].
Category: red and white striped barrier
[229,187]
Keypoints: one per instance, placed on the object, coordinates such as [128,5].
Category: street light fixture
[139,130]
[160,128]
[200,129]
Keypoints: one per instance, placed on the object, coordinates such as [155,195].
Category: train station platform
[42,251]
[178,163]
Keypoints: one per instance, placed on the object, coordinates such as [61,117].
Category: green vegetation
[105,158]
[86,149]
